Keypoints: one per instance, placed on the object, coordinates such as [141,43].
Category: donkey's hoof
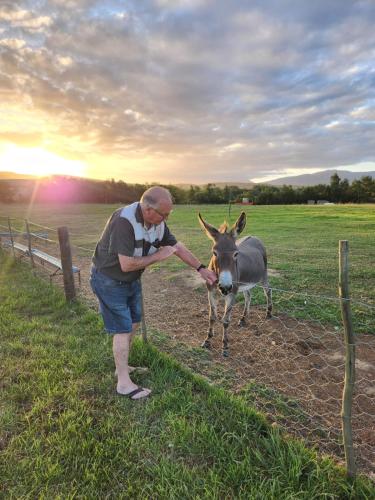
[268,315]
[206,344]
[242,322]
[225,353]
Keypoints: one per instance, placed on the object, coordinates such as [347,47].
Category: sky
[187,91]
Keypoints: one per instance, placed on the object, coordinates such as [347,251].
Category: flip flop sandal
[136,391]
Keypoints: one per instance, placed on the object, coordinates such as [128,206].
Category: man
[135,237]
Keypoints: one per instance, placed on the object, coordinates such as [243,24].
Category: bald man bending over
[135,237]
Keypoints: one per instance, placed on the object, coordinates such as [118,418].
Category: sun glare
[39,162]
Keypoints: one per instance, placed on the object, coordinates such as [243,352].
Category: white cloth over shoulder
[152,235]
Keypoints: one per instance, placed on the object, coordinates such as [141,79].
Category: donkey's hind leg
[212,316]
[268,294]
[246,309]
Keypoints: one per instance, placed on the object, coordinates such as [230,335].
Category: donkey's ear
[211,231]
[239,225]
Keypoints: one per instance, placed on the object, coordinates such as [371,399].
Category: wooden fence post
[66,263]
[349,336]
[11,236]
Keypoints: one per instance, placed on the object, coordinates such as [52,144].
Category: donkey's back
[251,262]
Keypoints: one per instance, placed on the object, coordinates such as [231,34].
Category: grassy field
[65,434]
[302,243]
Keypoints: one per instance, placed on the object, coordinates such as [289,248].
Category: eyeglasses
[165,216]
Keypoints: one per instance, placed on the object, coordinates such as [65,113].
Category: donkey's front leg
[212,316]
[246,309]
[229,303]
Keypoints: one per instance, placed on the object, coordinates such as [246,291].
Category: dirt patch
[190,279]
[273,273]
[360,365]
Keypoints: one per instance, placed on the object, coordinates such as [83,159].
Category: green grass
[65,434]
[302,243]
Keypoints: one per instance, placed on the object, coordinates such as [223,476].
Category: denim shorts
[120,302]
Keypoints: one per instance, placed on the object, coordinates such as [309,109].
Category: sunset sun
[39,162]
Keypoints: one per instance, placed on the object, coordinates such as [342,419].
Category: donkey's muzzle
[225,289]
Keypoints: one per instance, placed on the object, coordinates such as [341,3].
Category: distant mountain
[322,177]
[221,185]
[13,175]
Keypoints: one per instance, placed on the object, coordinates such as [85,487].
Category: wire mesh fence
[290,367]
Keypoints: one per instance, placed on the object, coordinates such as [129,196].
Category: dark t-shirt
[118,238]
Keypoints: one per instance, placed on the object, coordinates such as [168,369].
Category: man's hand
[208,275]
[129,264]
[165,252]
[186,256]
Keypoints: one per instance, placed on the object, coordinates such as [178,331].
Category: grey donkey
[239,265]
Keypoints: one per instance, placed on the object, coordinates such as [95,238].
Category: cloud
[25,19]
[183,4]
[7,13]
[218,88]
[12,43]
[33,23]
[20,138]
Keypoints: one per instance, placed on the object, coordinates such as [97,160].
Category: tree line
[60,189]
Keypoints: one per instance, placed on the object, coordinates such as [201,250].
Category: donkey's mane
[223,228]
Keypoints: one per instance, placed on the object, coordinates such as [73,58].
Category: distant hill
[322,177]
[221,185]
[13,175]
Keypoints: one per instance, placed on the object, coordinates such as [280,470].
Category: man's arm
[129,264]
[186,256]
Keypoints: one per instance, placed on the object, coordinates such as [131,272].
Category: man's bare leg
[121,349]
[140,369]
[131,369]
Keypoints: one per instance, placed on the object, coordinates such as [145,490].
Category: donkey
[239,266]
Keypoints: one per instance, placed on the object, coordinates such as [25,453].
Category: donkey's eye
[235,255]
[214,252]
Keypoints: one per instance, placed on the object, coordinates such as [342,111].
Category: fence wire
[290,367]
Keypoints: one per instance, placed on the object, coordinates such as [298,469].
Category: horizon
[213,182]
[181,92]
